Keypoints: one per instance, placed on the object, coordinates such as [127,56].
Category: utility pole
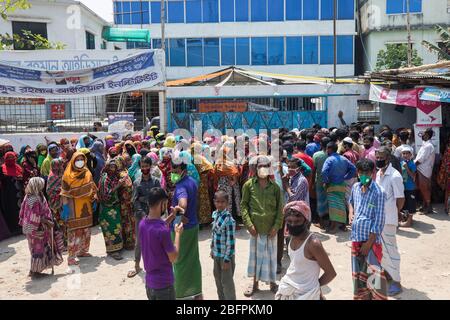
[334,39]
[408,28]
[162,110]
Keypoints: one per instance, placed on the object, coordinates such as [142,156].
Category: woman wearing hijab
[53,153]
[113,153]
[227,179]
[54,181]
[110,218]
[155,171]
[134,171]
[206,186]
[91,161]
[41,151]
[11,191]
[22,154]
[29,166]
[78,193]
[37,224]
[126,205]
[129,148]
[84,142]
[98,152]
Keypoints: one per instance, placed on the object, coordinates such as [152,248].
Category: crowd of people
[152,194]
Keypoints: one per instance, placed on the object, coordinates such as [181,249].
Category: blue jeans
[161,294]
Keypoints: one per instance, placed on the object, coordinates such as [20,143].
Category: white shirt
[392,184]
[426,157]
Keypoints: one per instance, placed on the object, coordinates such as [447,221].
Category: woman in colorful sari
[113,153]
[191,169]
[78,193]
[11,191]
[444,176]
[155,171]
[134,171]
[21,156]
[205,188]
[41,150]
[165,165]
[110,219]
[128,148]
[54,181]
[29,166]
[126,206]
[36,220]
[227,179]
[66,147]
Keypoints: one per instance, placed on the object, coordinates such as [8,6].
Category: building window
[311,10]
[242,51]
[176,11]
[276,10]
[326,9]
[126,12]
[326,50]
[156,11]
[241,10]
[18,27]
[368,111]
[103,46]
[177,53]
[156,44]
[400,6]
[293,9]
[90,41]
[194,52]
[210,10]
[194,11]
[227,10]
[259,51]
[117,12]
[138,45]
[228,51]
[346,9]
[211,51]
[293,50]
[136,13]
[345,49]
[259,10]
[310,50]
[275,50]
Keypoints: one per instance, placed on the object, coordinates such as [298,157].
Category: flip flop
[73,262]
[133,273]
[250,291]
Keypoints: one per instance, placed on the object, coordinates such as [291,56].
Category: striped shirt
[369,213]
[223,235]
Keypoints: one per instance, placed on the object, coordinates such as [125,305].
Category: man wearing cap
[307,255]
[425,162]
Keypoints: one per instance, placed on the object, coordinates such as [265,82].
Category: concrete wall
[395,119]
[380,28]
[66,21]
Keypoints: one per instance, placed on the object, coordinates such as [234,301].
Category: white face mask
[79,164]
[263,173]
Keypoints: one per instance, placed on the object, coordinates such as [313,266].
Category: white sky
[104,8]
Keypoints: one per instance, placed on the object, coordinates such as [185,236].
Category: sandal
[116,256]
[133,273]
[251,289]
[73,262]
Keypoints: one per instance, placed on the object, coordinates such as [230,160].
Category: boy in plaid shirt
[222,247]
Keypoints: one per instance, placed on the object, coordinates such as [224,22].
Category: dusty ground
[424,249]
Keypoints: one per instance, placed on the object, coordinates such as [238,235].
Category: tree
[443,51]
[8,6]
[396,56]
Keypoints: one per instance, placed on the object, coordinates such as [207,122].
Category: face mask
[365,180]
[175,178]
[367,147]
[293,172]
[381,164]
[43,153]
[10,162]
[79,164]
[145,172]
[263,173]
[296,230]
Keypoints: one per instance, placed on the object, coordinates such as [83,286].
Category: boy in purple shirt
[158,251]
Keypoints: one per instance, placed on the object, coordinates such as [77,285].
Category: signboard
[120,121]
[21,101]
[222,106]
[418,132]
[434,118]
[58,110]
[63,60]
[436,94]
[140,71]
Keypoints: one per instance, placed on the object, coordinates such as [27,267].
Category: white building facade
[66,21]
[384,22]
[279,36]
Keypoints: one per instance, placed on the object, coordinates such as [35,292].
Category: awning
[125,35]
[436,94]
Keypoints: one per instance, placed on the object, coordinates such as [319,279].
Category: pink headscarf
[300,206]
[153,156]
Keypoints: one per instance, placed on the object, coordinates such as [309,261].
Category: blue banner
[436,94]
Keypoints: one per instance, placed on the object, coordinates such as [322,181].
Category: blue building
[280,36]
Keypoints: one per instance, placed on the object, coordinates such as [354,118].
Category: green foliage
[27,41]
[396,56]
[8,6]
[444,51]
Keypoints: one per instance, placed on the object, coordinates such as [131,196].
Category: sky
[104,8]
